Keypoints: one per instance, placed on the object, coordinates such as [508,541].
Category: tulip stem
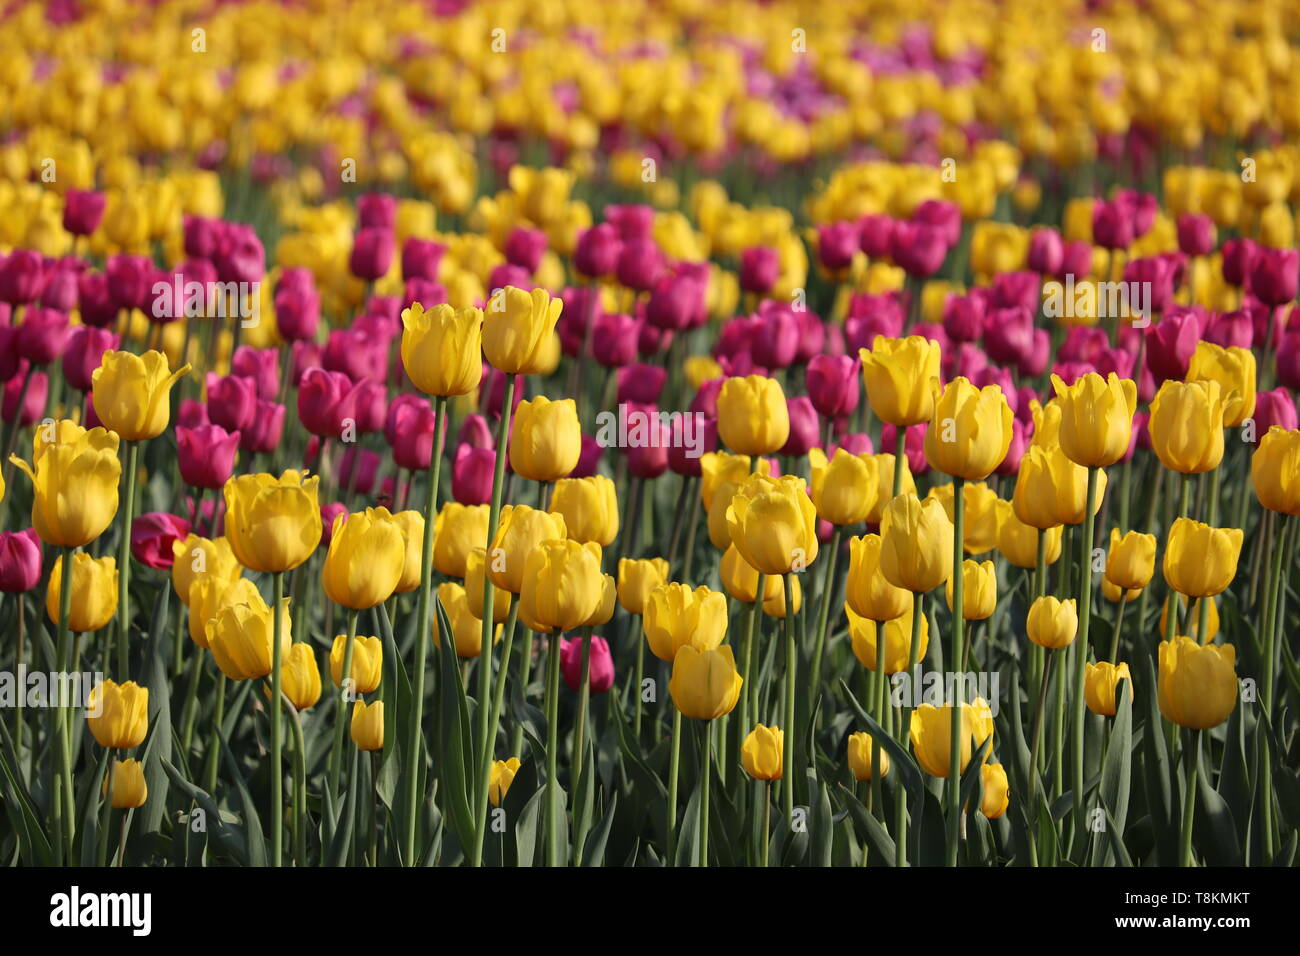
[553,855]
[277,777]
[823,615]
[1119,627]
[299,786]
[1185,857]
[494,720]
[958,637]
[63,829]
[106,814]
[876,794]
[580,722]
[214,746]
[124,561]
[1081,649]
[341,722]
[791,667]
[706,772]
[674,766]
[900,456]
[415,732]
[1212,519]
[904,726]
[767,823]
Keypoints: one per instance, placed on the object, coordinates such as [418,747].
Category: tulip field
[554,433]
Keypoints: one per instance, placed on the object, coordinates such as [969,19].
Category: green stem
[64,828]
[1081,651]
[277,765]
[106,814]
[1119,627]
[494,721]
[299,787]
[823,615]
[674,767]
[706,772]
[791,675]
[553,855]
[124,561]
[953,791]
[1189,799]
[904,727]
[344,713]
[767,823]
[214,745]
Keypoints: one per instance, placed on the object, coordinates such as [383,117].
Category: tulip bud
[273,524]
[94,592]
[980,590]
[368,725]
[118,714]
[367,554]
[367,662]
[1197,685]
[1131,560]
[860,754]
[131,393]
[705,683]
[931,735]
[1100,684]
[762,752]
[501,776]
[1052,623]
[865,636]
[1201,561]
[20,561]
[600,664]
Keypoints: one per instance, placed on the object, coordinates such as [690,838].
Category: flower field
[550,433]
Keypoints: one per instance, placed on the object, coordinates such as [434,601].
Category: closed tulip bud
[472,474]
[762,752]
[263,436]
[241,638]
[1052,490]
[545,439]
[980,590]
[501,598]
[466,627]
[1201,561]
[833,384]
[675,616]
[1186,424]
[85,353]
[773,524]
[518,328]
[997,791]
[915,543]
[368,725]
[980,530]
[129,788]
[118,714]
[1052,623]
[931,734]
[1100,684]
[741,581]
[273,524]
[600,665]
[520,530]
[75,481]
[209,595]
[866,590]
[457,530]
[970,430]
[1131,560]
[409,426]
[705,683]
[899,374]
[500,777]
[844,490]
[442,349]
[589,507]
[20,561]
[94,592]
[1113,593]
[367,662]
[1197,686]
[1234,370]
[206,455]
[637,578]
[300,677]
[1018,541]
[562,586]
[366,558]
[753,417]
[860,747]
[411,524]
[1275,471]
[131,393]
[885,490]
[195,557]
[864,636]
[1096,418]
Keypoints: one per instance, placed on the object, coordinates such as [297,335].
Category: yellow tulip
[864,634]
[705,683]
[563,587]
[773,524]
[118,714]
[75,486]
[719,467]
[474,590]
[997,791]
[129,788]
[521,530]
[366,557]
[1234,369]
[411,524]
[675,616]
[300,676]
[885,487]
[197,557]
[980,522]
[753,418]
[1131,560]
[931,734]
[1275,471]
[466,629]
[1052,490]
[1018,541]
[368,725]
[1201,561]
[457,531]
[970,430]
[545,439]
[367,662]
[1100,684]
[442,349]
[501,776]
[1052,623]
[899,375]
[1186,424]
[860,745]
[517,328]
[774,597]
[94,592]
[273,524]
[590,508]
[131,393]
[866,590]
[241,637]
[915,544]
[1113,593]
[762,752]
[979,590]
[1197,686]
[1096,418]
[741,581]
[637,578]
[208,595]
[844,490]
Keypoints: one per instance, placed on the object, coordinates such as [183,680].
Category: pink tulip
[600,664]
[152,536]
[206,455]
[20,561]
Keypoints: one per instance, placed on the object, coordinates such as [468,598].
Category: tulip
[1275,471]
[773,524]
[502,775]
[915,543]
[367,663]
[753,418]
[441,349]
[1096,418]
[261,366]
[209,595]
[366,558]
[130,789]
[372,253]
[1101,684]
[562,586]
[368,725]
[589,507]
[844,491]
[741,582]
[75,483]
[83,209]
[131,393]
[637,579]
[206,455]
[930,733]
[273,524]
[866,590]
[970,430]
[232,401]
[1131,560]
[1274,275]
[517,329]
[1197,685]
[466,626]
[864,635]
[327,402]
[474,590]
[241,638]
[153,537]
[85,353]
[1018,541]
[1170,344]
[600,665]
[980,525]
[20,561]
[1052,490]
[457,530]
[996,796]
[761,752]
[1234,370]
[833,384]
[1186,425]
[118,714]
[297,305]
[545,439]
[980,590]
[1274,408]
[705,684]
[1201,561]
[1052,623]
[898,374]
[860,747]
[301,677]
[94,592]
[521,530]
[263,436]
[675,616]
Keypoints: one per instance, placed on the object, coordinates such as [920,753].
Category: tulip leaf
[1117,768]
[929,844]
[160,722]
[1234,776]
[1286,856]
[688,833]
[34,846]
[455,738]
[1214,815]
[253,837]
[900,760]
[593,853]
[972,781]
[823,822]
[1115,836]
[881,843]
[1155,773]
[225,834]
[527,828]
[341,844]
[88,832]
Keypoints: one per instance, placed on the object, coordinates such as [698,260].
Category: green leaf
[900,760]
[593,853]
[455,738]
[1116,771]
[882,844]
